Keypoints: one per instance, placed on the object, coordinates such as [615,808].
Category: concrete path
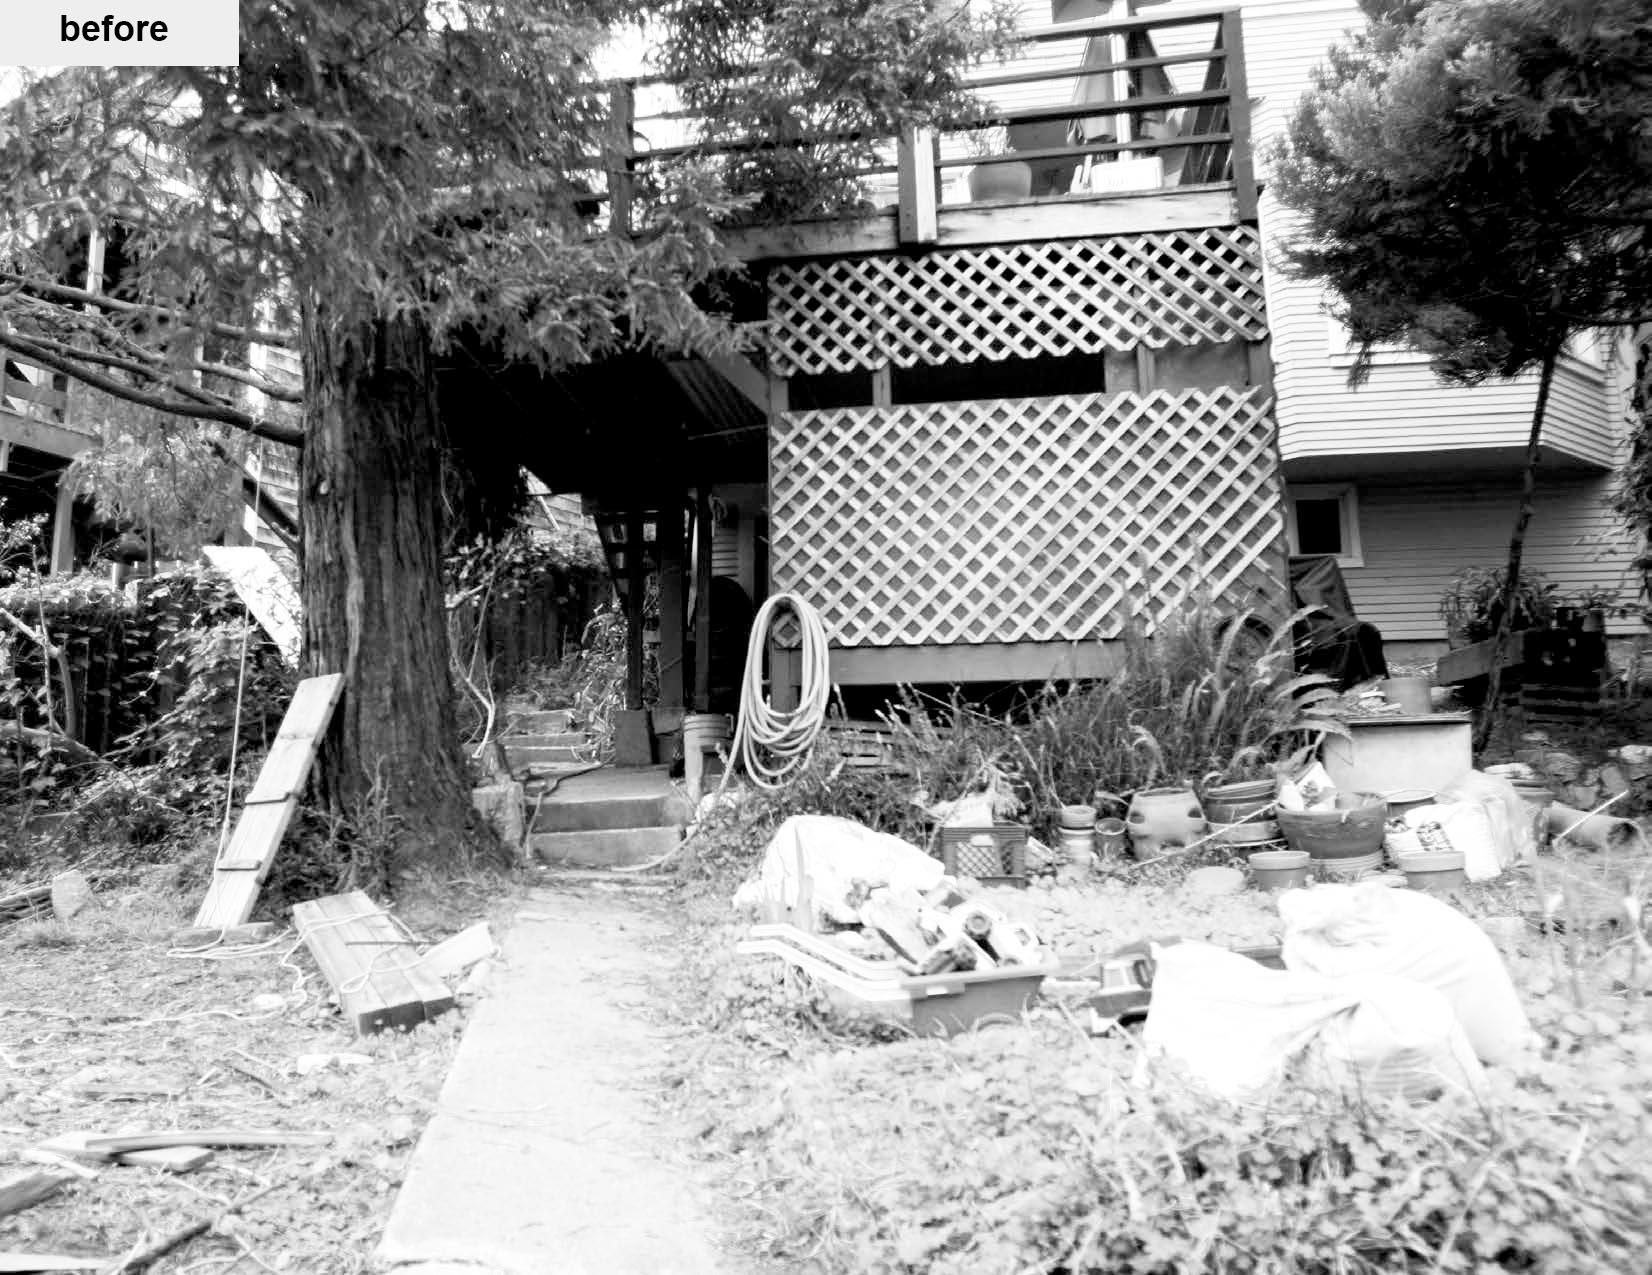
[545,1156]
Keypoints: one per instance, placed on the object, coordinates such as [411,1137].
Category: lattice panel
[1024,520]
[1018,300]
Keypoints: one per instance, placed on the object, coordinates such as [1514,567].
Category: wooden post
[619,158]
[883,387]
[63,525]
[918,217]
[633,608]
[1147,370]
[673,598]
[703,532]
[1259,364]
[1244,160]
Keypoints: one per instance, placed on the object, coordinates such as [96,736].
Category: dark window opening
[1319,526]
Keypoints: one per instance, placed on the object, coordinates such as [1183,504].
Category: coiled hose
[770,744]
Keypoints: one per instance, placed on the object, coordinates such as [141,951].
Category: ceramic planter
[1350,832]
[1160,818]
[1009,180]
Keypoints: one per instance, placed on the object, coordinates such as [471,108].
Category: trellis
[1024,520]
[1017,300]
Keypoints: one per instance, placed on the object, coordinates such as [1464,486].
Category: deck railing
[33,392]
[1095,108]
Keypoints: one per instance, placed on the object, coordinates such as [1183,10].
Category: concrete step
[653,882]
[603,814]
[518,756]
[606,847]
[528,721]
[546,739]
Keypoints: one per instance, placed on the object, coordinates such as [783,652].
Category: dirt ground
[105,1028]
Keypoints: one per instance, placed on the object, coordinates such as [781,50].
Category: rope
[770,744]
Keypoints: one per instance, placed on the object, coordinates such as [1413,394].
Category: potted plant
[1473,603]
[1001,179]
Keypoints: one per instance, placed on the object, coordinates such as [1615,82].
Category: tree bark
[370,482]
[1517,549]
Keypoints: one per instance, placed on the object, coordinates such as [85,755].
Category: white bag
[1344,931]
[1467,825]
[815,862]
[1237,1028]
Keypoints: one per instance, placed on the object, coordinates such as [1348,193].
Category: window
[1325,520]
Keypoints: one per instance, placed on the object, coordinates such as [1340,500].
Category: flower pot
[1245,834]
[1439,872]
[1410,693]
[1351,831]
[1348,871]
[1237,802]
[1011,179]
[1279,869]
[1403,799]
[1078,816]
[1160,818]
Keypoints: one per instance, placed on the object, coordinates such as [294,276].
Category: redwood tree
[383,177]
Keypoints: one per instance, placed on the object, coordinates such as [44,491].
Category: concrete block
[606,848]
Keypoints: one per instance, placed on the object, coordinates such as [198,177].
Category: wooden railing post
[918,217]
[620,157]
[1244,157]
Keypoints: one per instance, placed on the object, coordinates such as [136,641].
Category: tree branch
[36,353]
[79,296]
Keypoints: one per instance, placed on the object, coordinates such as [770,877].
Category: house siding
[1416,536]
[1403,407]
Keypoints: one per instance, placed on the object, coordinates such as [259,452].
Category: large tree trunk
[391,766]
[1517,550]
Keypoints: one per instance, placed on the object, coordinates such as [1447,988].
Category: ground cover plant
[1031,1146]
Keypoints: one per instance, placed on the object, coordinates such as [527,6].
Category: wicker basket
[1004,864]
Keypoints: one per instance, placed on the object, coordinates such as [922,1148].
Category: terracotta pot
[1009,180]
[1351,831]
[1435,873]
[1410,693]
[1279,869]
[1160,818]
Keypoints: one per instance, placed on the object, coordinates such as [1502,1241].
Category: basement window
[1324,519]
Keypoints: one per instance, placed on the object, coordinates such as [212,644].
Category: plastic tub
[1078,817]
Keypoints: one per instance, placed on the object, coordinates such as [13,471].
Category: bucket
[1235,803]
[1245,834]
[1351,831]
[1078,845]
[1410,693]
[1279,869]
[702,733]
[1402,799]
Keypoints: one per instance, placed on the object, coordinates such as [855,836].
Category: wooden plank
[1244,170]
[128,1144]
[975,662]
[227,936]
[703,536]
[673,605]
[270,806]
[1054,217]
[635,576]
[24,1190]
[13,1261]
[267,592]
[1468,662]
[181,1157]
[42,436]
[63,527]
[368,962]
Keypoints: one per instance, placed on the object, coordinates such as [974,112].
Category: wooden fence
[535,625]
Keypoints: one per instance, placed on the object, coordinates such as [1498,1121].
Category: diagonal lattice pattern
[1019,300]
[1024,520]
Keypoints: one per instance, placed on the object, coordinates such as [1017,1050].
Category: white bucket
[702,733]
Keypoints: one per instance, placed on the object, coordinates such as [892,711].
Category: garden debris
[23,904]
[365,955]
[26,1189]
[174,1159]
[243,864]
[455,955]
[205,936]
[309,1064]
[1592,829]
[71,893]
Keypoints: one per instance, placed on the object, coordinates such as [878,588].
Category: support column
[63,525]
[634,583]
[673,604]
[703,533]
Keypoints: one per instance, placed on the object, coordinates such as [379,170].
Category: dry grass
[107,1030]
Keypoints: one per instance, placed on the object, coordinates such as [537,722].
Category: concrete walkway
[545,1156]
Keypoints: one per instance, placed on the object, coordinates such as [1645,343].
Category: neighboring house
[1003,423]
[38,439]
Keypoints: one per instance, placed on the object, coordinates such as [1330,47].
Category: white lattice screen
[1023,520]
[1017,300]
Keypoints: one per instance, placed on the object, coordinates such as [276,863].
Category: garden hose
[769,744]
